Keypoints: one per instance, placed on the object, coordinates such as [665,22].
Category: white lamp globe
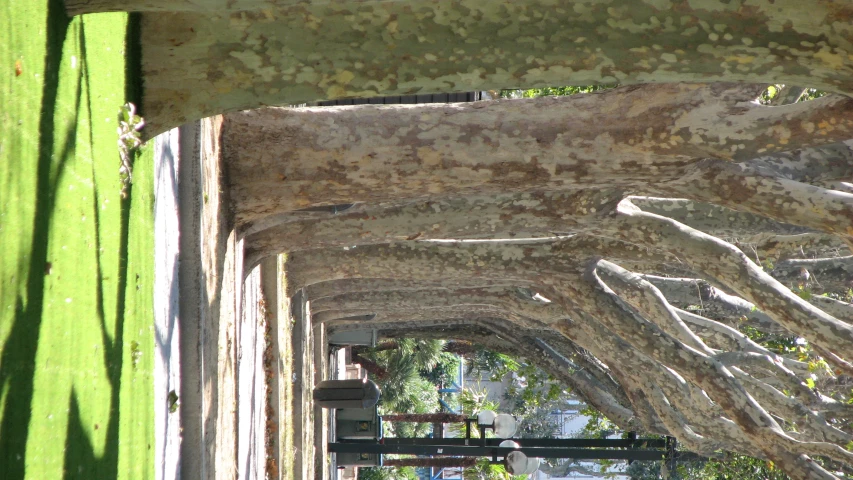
[505,425]
[509,444]
[516,463]
[486,417]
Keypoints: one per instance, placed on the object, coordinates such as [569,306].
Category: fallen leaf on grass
[19,68]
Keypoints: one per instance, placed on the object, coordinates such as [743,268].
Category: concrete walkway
[167,376]
[210,333]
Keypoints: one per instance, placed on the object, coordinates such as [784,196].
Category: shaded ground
[76,272]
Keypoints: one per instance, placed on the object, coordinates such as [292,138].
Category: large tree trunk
[370,366]
[197,65]
[519,300]
[526,215]
[283,160]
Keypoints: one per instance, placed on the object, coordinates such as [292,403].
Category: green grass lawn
[76,270]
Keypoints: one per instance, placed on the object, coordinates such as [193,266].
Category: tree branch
[730,266]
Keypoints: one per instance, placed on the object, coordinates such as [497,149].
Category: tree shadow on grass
[17,364]
[133,61]
[80,458]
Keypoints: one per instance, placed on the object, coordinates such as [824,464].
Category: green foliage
[811,94]
[129,125]
[135,354]
[473,401]
[803,292]
[538,423]
[172,399]
[530,387]
[408,386]
[387,473]
[531,394]
[846,296]
[444,371]
[820,366]
[497,365]
[780,344]
[769,94]
[740,467]
[416,395]
[683,471]
[597,425]
[554,91]
[773,90]
[484,470]
[645,470]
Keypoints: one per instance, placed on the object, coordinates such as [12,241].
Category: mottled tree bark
[816,165]
[421,314]
[756,424]
[527,215]
[521,301]
[729,265]
[700,296]
[197,64]
[742,188]
[817,275]
[521,215]
[459,261]
[283,160]
[355,285]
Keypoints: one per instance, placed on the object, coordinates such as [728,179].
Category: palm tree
[398,366]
